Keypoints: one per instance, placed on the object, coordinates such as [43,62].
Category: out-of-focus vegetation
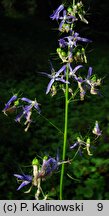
[26,41]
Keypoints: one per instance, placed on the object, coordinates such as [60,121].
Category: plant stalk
[73,3]
[65,136]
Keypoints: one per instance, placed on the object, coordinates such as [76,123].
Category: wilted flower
[82,144]
[26,179]
[92,82]
[78,9]
[96,129]
[82,90]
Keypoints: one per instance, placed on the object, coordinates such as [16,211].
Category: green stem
[73,3]
[65,136]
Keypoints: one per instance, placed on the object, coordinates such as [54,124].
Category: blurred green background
[28,39]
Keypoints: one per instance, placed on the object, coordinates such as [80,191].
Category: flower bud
[35,162]
[16,103]
[69,9]
[63,54]
[58,50]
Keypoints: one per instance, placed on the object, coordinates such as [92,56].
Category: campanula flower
[27,111]
[66,19]
[48,167]
[9,104]
[32,104]
[26,179]
[73,71]
[96,129]
[56,13]
[71,41]
[55,76]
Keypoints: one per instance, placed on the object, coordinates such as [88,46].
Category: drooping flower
[26,179]
[48,167]
[56,13]
[9,104]
[27,111]
[32,103]
[96,129]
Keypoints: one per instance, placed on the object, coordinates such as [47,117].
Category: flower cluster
[40,172]
[70,51]
[25,110]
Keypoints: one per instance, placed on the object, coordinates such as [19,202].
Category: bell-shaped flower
[48,167]
[25,179]
[9,104]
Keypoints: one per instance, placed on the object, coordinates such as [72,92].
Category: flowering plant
[70,78]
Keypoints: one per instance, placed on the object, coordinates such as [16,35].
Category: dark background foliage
[28,39]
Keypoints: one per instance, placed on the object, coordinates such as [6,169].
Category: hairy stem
[65,136]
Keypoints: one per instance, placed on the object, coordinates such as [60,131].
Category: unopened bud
[35,162]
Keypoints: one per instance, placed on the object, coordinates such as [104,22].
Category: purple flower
[71,41]
[74,145]
[56,13]
[73,71]
[26,179]
[48,167]
[8,104]
[66,18]
[54,76]
[27,111]
[32,104]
